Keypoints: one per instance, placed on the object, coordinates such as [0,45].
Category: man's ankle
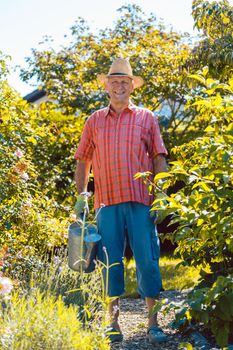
[115,325]
[152,323]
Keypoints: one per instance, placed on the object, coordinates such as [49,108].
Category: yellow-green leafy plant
[214,19]
[36,165]
[47,291]
[41,321]
[203,209]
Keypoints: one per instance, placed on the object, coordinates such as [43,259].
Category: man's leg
[145,246]
[154,333]
[114,312]
[152,321]
[111,227]
[144,243]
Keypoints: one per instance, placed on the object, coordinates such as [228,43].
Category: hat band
[118,74]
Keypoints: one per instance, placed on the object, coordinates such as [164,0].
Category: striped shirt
[119,146]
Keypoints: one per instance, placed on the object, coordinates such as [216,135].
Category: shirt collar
[130,106]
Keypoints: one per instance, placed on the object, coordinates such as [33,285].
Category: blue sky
[23,23]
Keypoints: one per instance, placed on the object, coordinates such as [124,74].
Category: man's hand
[81,205]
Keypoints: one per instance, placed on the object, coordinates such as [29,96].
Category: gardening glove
[81,205]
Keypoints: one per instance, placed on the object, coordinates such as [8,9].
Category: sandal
[156,335]
[114,335]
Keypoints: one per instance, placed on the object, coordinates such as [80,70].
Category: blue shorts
[113,222]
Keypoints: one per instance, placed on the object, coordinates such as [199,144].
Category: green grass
[181,277]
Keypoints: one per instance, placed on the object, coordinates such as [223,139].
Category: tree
[69,75]
[215,20]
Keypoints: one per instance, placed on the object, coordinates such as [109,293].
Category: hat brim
[138,81]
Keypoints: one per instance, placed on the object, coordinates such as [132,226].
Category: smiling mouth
[119,93]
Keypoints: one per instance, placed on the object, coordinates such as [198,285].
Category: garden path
[133,321]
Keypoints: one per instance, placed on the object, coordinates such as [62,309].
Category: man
[118,141]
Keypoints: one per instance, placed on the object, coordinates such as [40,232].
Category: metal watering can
[82,246]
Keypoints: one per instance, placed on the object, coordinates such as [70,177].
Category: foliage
[215,20]
[43,291]
[36,164]
[185,346]
[52,275]
[54,153]
[36,159]
[39,321]
[36,170]
[213,307]
[4,70]
[69,75]
[203,207]
[45,136]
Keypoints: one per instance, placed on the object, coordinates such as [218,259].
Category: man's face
[119,88]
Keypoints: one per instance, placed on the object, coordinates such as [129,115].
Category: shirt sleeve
[86,145]
[156,145]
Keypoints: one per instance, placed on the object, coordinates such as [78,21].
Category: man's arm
[159,164]
[82,175]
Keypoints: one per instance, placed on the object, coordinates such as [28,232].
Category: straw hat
[121,67]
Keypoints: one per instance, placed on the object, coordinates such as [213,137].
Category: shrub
[203,207]
[39,321]
[44,290]
[36,165]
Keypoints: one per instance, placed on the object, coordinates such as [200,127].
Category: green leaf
[202,185]
[156,308]
[179,171]
[162,175]
[205,71]
[161,196]
[143,175]
[226,308]
[221,334]
[205,103]
[209,129]
[226,157]
[200,222]
[228,138]
[198,78]
[185,346]
[31,139]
